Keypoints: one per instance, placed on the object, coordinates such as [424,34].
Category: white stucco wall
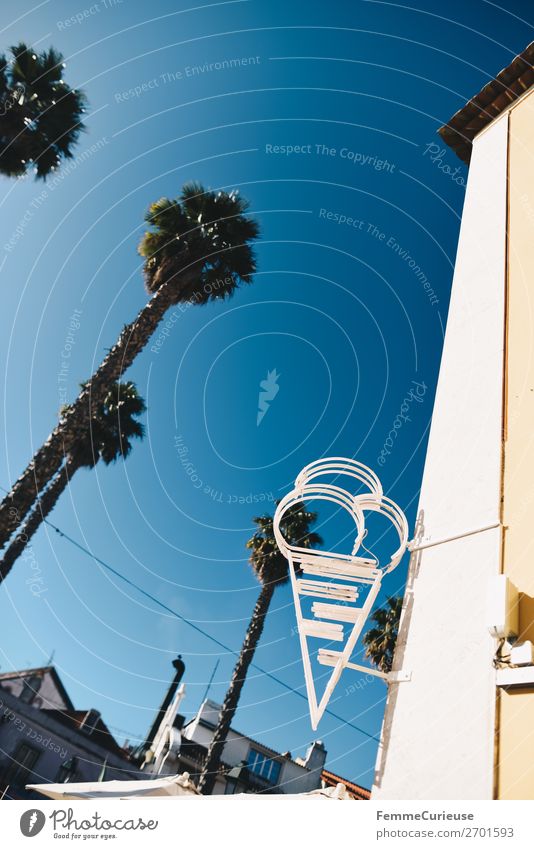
[48,696]
[56,743]
[293,777]
[438,733]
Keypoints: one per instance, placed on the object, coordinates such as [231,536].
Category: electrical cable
[197,628]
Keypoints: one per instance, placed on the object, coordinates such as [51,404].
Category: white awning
[177,785]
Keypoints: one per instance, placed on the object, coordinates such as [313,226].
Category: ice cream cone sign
[334,593]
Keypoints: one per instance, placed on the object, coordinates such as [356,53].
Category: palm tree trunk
[231,700]
[48,459]
[44,506]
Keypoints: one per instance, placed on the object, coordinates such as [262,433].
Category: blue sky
[338,308]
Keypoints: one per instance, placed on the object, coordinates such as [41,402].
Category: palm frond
[266,559]
[113,426]
[201,243]
[380,641]
[41,117]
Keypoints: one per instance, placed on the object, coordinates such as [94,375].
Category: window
[90,721]
[20,770]
[67,771]
[264,767]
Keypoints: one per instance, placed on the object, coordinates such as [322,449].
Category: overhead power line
[196,627]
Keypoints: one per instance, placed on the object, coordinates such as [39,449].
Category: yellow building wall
[515,753]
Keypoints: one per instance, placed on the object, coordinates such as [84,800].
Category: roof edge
[41,670]
[350,785]
[493,100]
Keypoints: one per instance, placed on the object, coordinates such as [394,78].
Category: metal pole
[413,547]
[210,682]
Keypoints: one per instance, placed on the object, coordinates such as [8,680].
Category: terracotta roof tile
[101,733]
[489,103]
[357,792]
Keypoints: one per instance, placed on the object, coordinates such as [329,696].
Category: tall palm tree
[380,640]
[40,115]
[108,438]
[271,569]
[198,248]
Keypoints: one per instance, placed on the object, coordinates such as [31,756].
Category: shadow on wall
[400,650]
[526,617]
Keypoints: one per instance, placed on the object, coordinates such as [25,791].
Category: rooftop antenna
[51,658]
[210,681]
[334,616]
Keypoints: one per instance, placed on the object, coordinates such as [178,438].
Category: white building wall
[294,778]
[48,696]
[56,743]
[438,733]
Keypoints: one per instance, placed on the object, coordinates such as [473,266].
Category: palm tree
[40,115]
[108,438]
[198,248]
[271,569]
[380,641]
